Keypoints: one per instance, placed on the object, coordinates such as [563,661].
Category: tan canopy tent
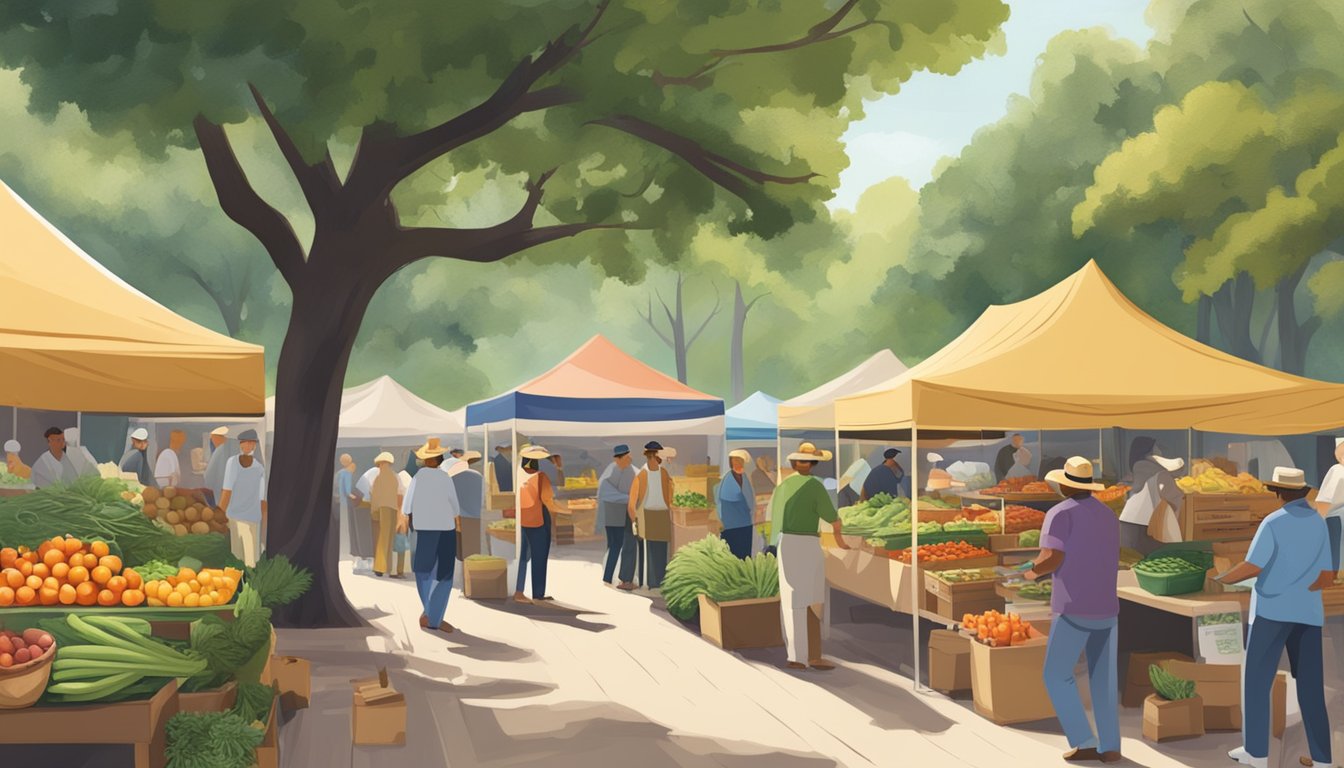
[815,409]
[1082,356]
[74,337]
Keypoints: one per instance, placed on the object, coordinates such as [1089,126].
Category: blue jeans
[621,546]
[433,563]
[738,541]
[537,549]
[1071,637]
[1264,647]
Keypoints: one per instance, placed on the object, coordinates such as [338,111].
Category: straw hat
[469,456]
[1077,473]
[384,457]
[1288,479]
[220,431]
[740,454]
[535,452]
[432,449]
[809,452]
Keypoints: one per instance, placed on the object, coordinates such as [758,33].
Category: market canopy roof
[75,337]
[1082,356]
[816,409]
[599,384]
[382,412]
[755,418]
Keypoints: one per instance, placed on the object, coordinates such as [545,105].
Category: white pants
[245,540]
[802,583]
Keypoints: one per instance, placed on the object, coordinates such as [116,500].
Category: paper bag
[1163,525]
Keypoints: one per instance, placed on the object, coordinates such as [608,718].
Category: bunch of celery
[116,656]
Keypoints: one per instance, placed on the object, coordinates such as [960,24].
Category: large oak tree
[611,116]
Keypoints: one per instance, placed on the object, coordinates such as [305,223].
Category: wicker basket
[22,684]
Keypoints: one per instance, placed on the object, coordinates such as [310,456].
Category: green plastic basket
[1171,584]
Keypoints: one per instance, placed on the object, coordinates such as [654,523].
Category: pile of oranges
[189,588]
[997,629]
[67,571]
[945,552]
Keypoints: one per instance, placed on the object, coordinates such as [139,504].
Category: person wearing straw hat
[136,458]
[536,500]
[244,499]
[13,463]
[613,498]
[430,508]
[1291,561]
[737,505]
[467,482]
[384,501]
[1080,545]
[651,497]
[797,509]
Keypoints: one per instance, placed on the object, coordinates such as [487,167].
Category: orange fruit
[73,545]
[192,600]
[77,575]
[60,571]
[101,574]
[41,570]
[132,597]
[12,578]
[86,593]
[174,600]
[8,556]
[25,568]
[133,580]
[99,549]
[51,583]
[117,584]
[6,596]
[31,556]
[25,596]
[107,598]
[111,563]
[54,556]
[67,594]
[34,582]
[90,560]
[49,596]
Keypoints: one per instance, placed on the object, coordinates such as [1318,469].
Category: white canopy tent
[382,412]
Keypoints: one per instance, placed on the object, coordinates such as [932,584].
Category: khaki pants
[385,523]
[245,540]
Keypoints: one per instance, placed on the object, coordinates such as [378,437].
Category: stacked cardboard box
[379,712]
[949,661]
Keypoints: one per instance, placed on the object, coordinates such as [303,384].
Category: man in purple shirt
[1080,545]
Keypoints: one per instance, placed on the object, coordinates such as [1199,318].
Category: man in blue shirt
[613,499]
[503,464]
[887,477]
[1290,560]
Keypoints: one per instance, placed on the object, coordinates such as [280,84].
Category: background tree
[585,104]
[736,354]
[677,338]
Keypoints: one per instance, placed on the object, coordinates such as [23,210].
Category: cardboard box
[294,678]
[218,700]
[742,623]
[1007,682]
[1165,720]
[954,600]
[378,713]
[1138,685]
[1219,685]
[949,661]
[486,583]
[268,752]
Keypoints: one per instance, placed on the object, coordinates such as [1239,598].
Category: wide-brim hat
[810,452]
[140,434]
[12,446]
[384,457]
[1288,479]
[742,454]
[1171,465]
[247,435]
[1077,473]
[469,455]
[220,431]
[432,449]
[535,452]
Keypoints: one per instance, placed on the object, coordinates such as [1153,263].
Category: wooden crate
[689,516]
[988,561]
[952,601]
[139,723]
[1224,516]
[742,623]
[218,700]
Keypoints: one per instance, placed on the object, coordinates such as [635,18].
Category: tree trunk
[679,335]
[1294,338]
[735,352]
[1203,331]
[323,324]
[1234,302]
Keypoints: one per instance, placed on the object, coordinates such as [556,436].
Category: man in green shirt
[797,509]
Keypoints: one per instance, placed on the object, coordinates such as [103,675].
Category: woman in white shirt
[1330,503]
[1154,483]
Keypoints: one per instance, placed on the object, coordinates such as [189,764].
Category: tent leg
[916,583]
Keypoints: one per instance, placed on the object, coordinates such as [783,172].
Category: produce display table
[168,623]
[138,723]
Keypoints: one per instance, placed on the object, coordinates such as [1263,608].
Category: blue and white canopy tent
[754,420]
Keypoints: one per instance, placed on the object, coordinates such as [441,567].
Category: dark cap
[891,453]
[248,434]
[620,450]
[653,445]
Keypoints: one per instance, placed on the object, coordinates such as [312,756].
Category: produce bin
[1007,683]
[294,679]
[268,752]
[954,600]
[742,623]
[689,517]
[977,538]
[486,579]
[1165,720]
[1178,583]
[949,661]
[217,700]
[1138,684]
[1224,516]
[683,535]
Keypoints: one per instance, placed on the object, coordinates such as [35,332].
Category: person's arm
[636,496]
[1258,557]
[230,477]
[1054,539]
[1170,491]
[548,494]
[1326,497]
[826,511]
[608,489]
[1045,564]
[264,509]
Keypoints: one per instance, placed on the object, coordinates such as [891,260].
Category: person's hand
[841,543]
[1031,575]
[403,524]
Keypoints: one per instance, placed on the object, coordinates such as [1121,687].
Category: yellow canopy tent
[1082,356]
[74,337]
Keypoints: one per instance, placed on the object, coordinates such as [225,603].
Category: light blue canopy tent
[755,418]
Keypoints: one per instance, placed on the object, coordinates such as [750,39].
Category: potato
[161,503]
[172,517]
[170,492]
[178,502]
[180,529]
[151,511]
[199,527]
[150,494]
[207,514]
[191,514]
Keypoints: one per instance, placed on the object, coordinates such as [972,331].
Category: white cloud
[877,156]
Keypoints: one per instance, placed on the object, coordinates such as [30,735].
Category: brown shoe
[424,621]
[519,597]
[628,586]
[446,628]
[1082,755]
[1111,757]
[821,664]
[795,665]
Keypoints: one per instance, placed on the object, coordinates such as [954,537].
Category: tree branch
[752,303]
[672,321]
[483,245]
[241,203]
[710,316]
[318,181]
[648,318]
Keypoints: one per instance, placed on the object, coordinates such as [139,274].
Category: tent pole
[485,487]
[915,582]
[515,472]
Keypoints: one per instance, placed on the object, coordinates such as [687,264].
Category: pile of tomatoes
[945,552]
[67,571]
[1018,519]
[995,629]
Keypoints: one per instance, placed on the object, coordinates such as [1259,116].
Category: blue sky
[935,115]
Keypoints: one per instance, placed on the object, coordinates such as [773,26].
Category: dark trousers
[1264,648]
[621,545]
[738,540]
[537,549]
[657,562]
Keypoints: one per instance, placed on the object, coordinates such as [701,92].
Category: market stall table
[137,723]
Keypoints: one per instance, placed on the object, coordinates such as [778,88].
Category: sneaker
[1246,758]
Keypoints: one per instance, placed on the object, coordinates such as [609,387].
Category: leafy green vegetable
[156,570]
[254,702]
[690,501]
[278,581]
[1169,686]
[1029,538]
[108,658]
[228,645]
[212,740]
[708,567]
